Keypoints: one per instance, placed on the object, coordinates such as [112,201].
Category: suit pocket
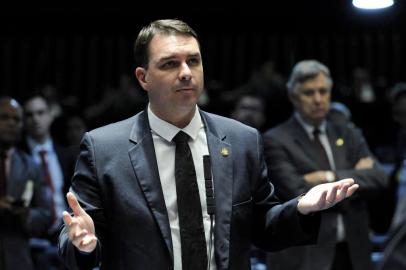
[242,213]
[242,203]
[241,224]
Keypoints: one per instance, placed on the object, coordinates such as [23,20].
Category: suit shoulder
[228,124]
[346,129]
[280,131]
[25,160]
[114,130]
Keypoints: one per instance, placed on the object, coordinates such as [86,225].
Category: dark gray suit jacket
[117,182]
[14,230]
[290,154]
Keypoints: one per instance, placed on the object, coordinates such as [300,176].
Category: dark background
[84,49]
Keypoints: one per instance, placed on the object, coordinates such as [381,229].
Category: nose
[185,73]
[317,96]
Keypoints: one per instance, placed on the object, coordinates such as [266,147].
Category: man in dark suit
[308,150]
[59,160]
[57,165]
[25,202]
[125,195]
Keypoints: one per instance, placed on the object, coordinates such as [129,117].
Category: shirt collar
[36,147]
[309,128]
[167,131]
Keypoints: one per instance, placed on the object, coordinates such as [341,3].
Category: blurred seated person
[68,131]
[309,149]
[25,201]
[250,110]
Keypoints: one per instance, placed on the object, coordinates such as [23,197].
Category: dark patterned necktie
[193,241]
[48,179]
[321,151]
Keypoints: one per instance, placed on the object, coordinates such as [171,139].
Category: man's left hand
[326,195]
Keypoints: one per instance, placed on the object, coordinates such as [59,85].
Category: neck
[177,118]
[40,139]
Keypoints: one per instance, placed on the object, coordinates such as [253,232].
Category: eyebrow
[163,59]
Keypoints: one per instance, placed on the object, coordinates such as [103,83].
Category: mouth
[185,89]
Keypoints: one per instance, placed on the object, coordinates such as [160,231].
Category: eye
[169,64]
[308,92]
[323,91]
[195,61]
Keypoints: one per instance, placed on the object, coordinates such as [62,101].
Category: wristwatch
[330,176]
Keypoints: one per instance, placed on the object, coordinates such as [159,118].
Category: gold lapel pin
[224,152]
[339,142]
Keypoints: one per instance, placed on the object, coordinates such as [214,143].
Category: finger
[67,219]
[342,192]
[331,195]
[80,233]
[350,181]
[352,189]
[321,202]
[77,235]
[74,229]
[88,240]
[74,204]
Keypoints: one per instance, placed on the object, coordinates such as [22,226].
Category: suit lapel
[17,176]
[337,145]
[221,156]
[142,156]
[302,139]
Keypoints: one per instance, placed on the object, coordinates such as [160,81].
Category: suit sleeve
[278,226]
[86,188]
[371,181]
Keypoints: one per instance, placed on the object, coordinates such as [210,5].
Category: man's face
[174,78]
[11,117]
[312,99]
[38,118]
[250,111]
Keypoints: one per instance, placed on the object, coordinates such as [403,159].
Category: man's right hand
[80,226]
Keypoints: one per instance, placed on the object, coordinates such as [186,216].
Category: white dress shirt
[162,134]
[327,147]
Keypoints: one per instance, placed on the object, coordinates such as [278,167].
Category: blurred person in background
[57,165]
[307,150]
[250,110]
[25,199]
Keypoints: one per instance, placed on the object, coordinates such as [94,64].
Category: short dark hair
[167,27]
[36,95]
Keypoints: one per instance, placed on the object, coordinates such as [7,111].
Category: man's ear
[140,74]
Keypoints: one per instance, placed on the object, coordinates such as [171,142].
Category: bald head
[11,115]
